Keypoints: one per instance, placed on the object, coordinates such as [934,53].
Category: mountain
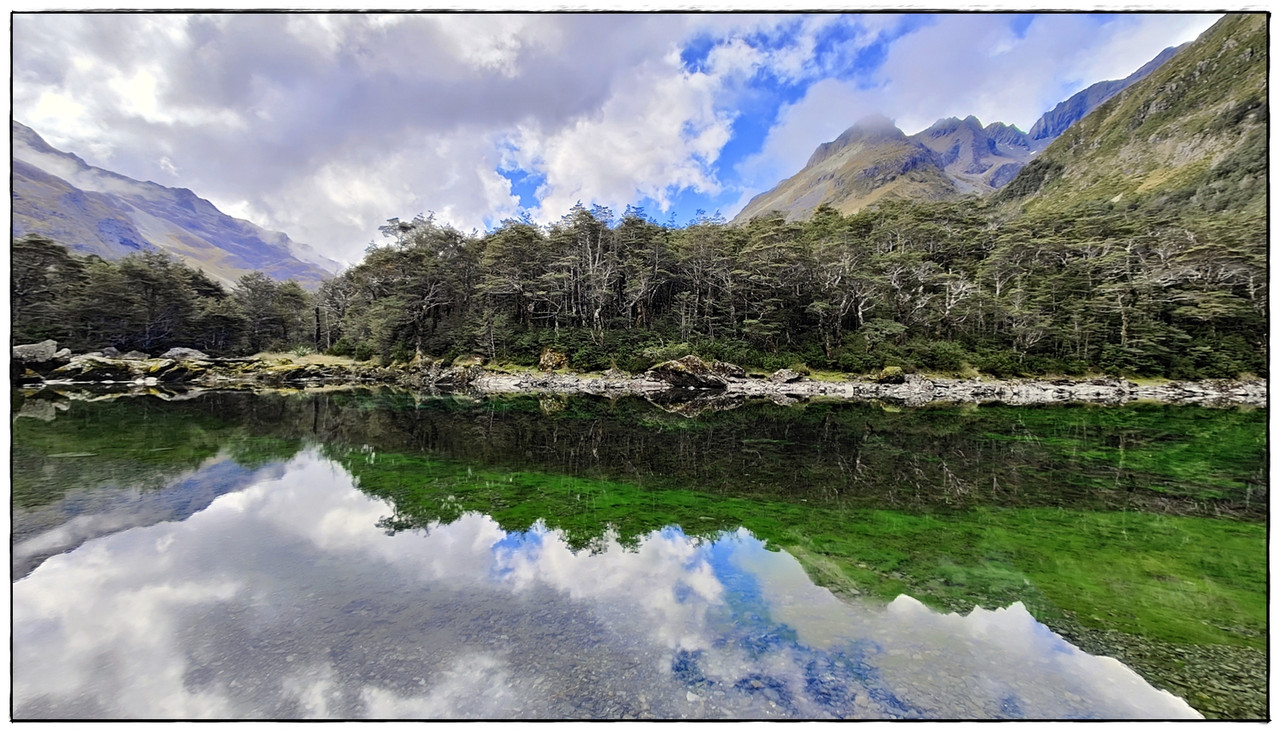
[977,159]
[870,161]
[968,158]
[95,211]
[1192,134]
[1054,122]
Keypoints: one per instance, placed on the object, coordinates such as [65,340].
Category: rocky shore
[684,379]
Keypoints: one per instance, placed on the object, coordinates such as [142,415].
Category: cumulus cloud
[324,126]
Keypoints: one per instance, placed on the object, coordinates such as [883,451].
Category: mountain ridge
[1193,132]
[970,159]
[93,210]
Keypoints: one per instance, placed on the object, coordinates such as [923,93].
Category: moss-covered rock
[552,360]
[91,368]
[891,375]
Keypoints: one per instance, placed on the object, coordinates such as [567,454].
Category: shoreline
[783,386]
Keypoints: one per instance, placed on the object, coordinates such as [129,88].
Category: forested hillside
[946,287]
[148,302]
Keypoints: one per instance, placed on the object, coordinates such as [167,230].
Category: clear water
[273,592]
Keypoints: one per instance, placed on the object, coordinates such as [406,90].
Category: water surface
[283,599]
[385,555]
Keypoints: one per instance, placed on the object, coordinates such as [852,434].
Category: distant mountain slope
[969,158]
[977,159]
[1054,122]
[1194,132]
[96,211]
[870,161]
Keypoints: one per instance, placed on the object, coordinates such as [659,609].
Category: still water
[259,577]
[284,599]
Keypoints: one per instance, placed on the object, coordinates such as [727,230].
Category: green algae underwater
[1134,531]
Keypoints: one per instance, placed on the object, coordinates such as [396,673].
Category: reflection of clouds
[284,600]
[654,579]
[476,686]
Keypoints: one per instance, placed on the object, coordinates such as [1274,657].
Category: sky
[324,126]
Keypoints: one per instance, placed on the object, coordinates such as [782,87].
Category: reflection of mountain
[91,511]
[95,211]
[284,601]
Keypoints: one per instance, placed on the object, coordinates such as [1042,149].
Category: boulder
[35,352]
[689,371]
[36,359]
[457,375]
[785,376]
[891,375]
[22,376]
[184,354]
[551,360]
[170,371]
[135,356]
[91,368]
[110,352]
[469,360]
[728,370]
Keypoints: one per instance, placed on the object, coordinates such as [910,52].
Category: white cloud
[327,125]
[655,135]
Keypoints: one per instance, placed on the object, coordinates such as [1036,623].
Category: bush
[1000,364]
[940,355]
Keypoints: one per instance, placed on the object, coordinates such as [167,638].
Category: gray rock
[135,356]
[36,352]
[64,354]
[184,354]
[785,376]
[688,371]
[110,352]
[728,370]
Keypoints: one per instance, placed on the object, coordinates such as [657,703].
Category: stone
[135,356]
[785,376]
[25,376]
[184,354]
[552,360]
[63,355]
[170,371]
[91,368]
[689,371]
[891,375]
[36,352]
[728,370]
[110,352]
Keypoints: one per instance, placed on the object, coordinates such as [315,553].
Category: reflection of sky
[284,600]
[88,512]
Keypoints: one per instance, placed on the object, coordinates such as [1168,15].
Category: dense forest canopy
[947,287]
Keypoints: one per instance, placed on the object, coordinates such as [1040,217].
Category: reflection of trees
[1161,458]
[850,454]
[140,442]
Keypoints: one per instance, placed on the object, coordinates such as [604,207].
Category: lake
[380,554]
